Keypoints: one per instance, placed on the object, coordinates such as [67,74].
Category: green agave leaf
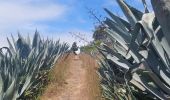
[8,52]
[29,76]
[118,62]
[29,41]
[1,86]
[150,89]
[135,34]
[122,51]
[147,26]
[14,42]
[116,36]
[127,11]
[156,79]
[118,30]
[36,40]
[117,58]
[10,93]
[20,36]
[161,38]
[120,22]
[144,53]
[138,14]
[158,67]
[11,47]
[145,6]
[165,45]
[137,84]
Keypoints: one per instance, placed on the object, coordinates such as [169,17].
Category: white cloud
[18,13]
[24,15]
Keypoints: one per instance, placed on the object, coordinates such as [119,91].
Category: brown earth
[74,78]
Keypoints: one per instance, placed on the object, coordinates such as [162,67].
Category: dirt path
[80,81]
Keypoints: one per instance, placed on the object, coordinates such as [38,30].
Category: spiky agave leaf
[19,71]
[148,50]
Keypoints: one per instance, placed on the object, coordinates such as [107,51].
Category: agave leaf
[117,57]
[150,89]
[121,51]
[156,78]
[128,13]
[14,42]
[23,48]
[119,21]
[165,45]
[1,54]
[10,93]
[28,78]
[11,47]
[36,40]
[157,67]
[147,26]
[137,84]
[118,62]
[1,86]
[116,36]
[138,14]
[29,41]
[118,29]
[20,36]
[161,38]
[145,6]
[8,51]
[144,53]
[136,31]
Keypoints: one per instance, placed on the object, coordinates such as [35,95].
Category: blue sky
[53,18]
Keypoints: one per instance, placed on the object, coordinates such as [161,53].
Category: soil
[75,78]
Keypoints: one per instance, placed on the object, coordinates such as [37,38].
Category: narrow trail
[80,81]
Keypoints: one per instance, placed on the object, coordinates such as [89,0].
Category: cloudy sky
[53,18]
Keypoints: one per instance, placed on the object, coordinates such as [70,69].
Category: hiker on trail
[75,48]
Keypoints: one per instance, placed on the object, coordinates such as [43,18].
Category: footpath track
[80,82]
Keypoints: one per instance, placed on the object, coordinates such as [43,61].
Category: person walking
[75,48]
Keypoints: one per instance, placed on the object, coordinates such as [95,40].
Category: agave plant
[21,65]
[140,54]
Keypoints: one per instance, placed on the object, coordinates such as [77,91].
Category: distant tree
[99,34]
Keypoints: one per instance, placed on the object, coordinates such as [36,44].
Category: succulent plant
[140,54]
[22,63]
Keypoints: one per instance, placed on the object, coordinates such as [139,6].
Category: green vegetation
[135,62]
[91,47]
[137,65]
[25,66]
